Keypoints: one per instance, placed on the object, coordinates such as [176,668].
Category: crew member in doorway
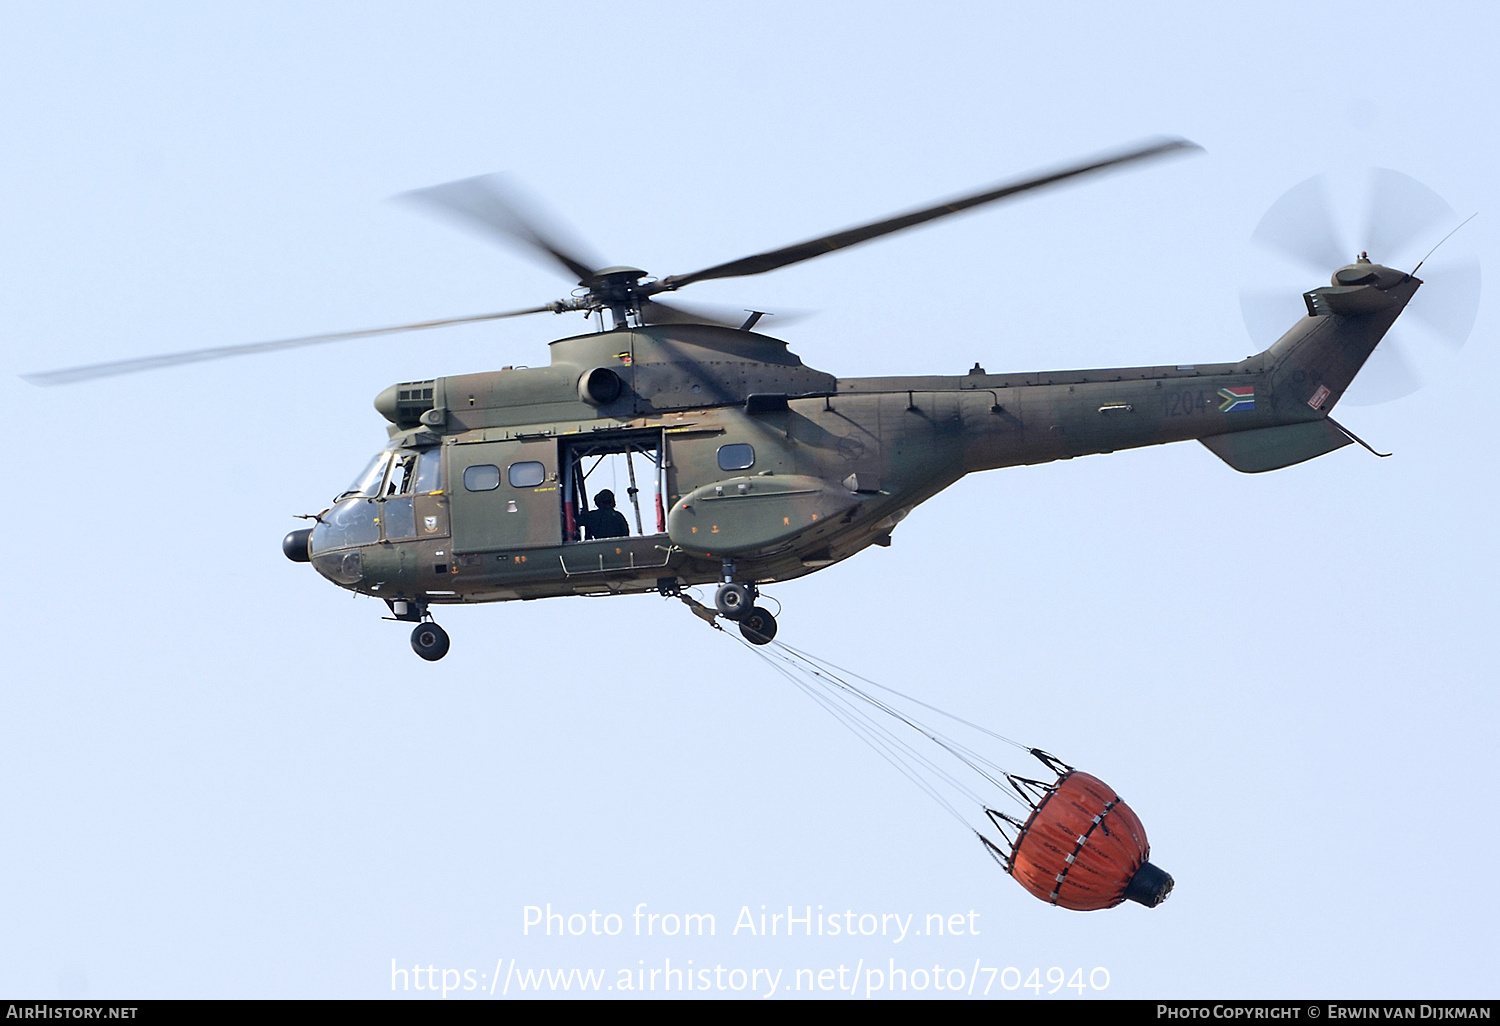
[604,521]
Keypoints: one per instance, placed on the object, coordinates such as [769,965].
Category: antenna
[1433,250]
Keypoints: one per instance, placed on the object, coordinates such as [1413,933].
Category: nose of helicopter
[294,546]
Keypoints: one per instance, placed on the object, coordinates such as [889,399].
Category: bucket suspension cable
[912,763]
[872,717]
[1078,846]
[1030,791]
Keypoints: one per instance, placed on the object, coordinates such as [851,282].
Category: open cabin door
[613,486]
[614,504]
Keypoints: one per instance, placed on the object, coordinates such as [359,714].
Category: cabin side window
[736,456]
[526,475]
[482,477]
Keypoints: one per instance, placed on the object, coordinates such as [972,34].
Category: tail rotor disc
[1322,224]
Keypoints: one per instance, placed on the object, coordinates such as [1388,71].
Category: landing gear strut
[429,641]
[733,600]
[736,601]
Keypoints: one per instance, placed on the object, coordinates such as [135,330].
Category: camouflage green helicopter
[740,465]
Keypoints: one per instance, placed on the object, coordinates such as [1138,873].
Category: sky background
[220,776]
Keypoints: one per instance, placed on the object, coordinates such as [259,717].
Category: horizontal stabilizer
[1271,448]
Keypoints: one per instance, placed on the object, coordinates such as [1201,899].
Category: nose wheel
[429,641]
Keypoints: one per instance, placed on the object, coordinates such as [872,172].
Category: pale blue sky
[221,776]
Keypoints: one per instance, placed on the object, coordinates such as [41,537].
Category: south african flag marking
[1237,400]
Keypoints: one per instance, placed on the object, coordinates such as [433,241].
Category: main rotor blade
[655,312]
[770,261]
[494,206]
[69,375]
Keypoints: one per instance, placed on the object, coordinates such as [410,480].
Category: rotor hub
[614,284]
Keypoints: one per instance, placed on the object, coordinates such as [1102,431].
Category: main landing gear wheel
[429,641]
[758,626]
[733,600]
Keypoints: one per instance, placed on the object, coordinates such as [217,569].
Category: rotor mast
[616,289]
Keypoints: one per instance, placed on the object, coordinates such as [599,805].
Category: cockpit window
[368,483]
[429,472]
[403,474]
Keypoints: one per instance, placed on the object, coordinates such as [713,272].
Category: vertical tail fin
[1312,365]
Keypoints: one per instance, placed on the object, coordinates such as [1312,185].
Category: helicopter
[742,466]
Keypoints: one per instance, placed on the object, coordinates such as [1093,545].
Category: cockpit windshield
[368,483]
